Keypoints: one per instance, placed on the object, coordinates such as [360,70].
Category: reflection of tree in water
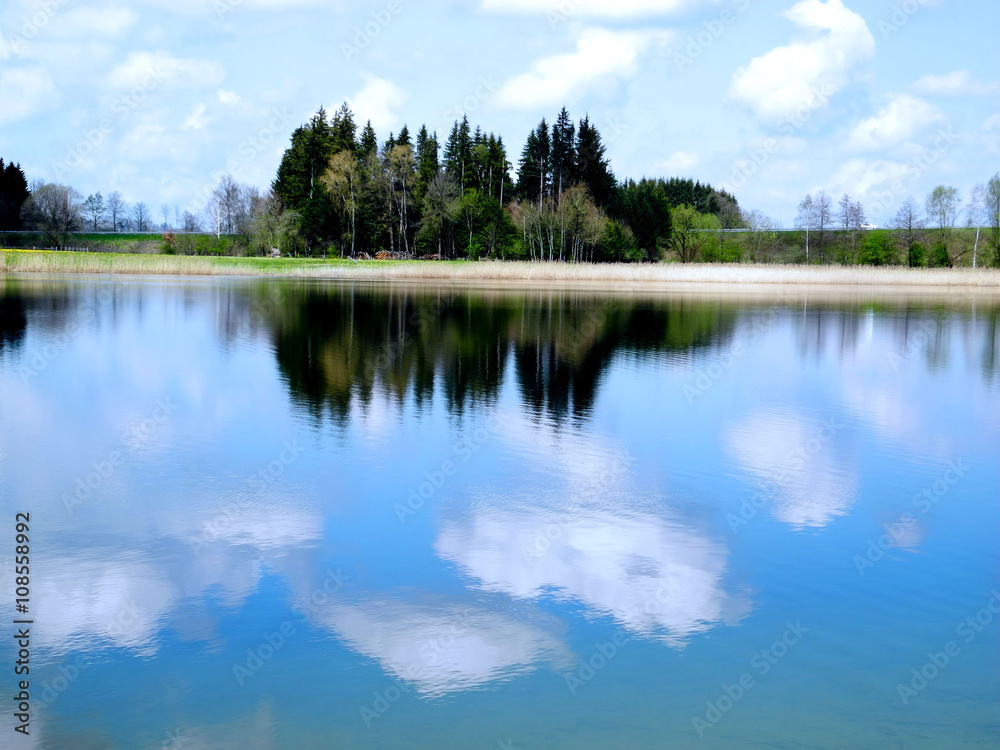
[338,345]
[919,330]
[13,322]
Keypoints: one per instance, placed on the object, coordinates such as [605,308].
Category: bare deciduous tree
[55,210]
[117,209]
[942,209]
[93,209]
[140,215]
[909,221]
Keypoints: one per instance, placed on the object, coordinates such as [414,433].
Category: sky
[769,99]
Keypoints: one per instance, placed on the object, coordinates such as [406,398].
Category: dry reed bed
[502,272]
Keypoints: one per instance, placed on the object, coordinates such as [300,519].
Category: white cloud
[788,78]
[867,179]
[679,163]
[25,92]
[149,70]
[902,118]
[959,83]
[377,101]
[569,8]
[601,56]
[229,98]
[196,120]
[992,122]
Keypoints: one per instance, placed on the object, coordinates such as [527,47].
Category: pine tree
[13,193]
[427,161]
[368,144]
[592,169]
[458,153]
[304,162]
[563,152]
[343,129]
[404,137]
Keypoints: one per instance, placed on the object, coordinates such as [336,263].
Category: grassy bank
[27,261]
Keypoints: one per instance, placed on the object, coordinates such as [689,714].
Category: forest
[412,196]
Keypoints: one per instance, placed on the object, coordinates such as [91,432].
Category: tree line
[914,228]
[339,190]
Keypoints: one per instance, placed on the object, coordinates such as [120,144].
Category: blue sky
[769,98]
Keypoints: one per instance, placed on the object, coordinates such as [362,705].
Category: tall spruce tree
[13,193]
[368,143]
[427,161]
[563,152]
[458,154]
[592,168]
[304,162]
[343,130]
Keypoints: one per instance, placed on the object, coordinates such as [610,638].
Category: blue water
[275,514]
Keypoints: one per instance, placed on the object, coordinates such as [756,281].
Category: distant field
[465,272]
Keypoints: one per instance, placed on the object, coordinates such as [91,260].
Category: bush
[715,252]
[940,257]
[916,256]
[878,249]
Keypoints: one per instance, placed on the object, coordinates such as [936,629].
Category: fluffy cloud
[788,78]
[601,56]
[377,101]
[152,69]
[24,92]
[679,163]
[197,119]
[959,83]
[229,98]
[568,8]
[895,123]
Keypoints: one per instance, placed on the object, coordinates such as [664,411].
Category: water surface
[273,514]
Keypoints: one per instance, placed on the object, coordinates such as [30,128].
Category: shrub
[916,256]
[878,249]
[940,257]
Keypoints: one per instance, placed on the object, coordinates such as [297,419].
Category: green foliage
[916,256]
[13,194]
[716,251]
[878,249]
[939,256]
[617,245]
[690,233]
[487,230]
[203,244]
[644,208]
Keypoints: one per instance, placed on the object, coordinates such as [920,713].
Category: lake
[281,514]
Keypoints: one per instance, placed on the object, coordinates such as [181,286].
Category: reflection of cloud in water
[439,645]
[118,600]
[795,458]
[90,595]
[654,576]
[905,532]
[598,541]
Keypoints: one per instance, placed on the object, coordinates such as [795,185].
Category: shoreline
[504,273]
